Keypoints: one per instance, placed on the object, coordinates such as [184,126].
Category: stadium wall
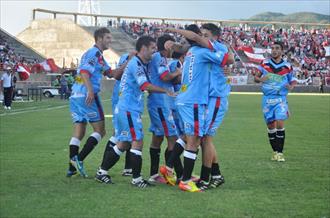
[60,39]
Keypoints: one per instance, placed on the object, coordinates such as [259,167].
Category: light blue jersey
[157,70]
[173,66]
[219,86]
[278,74]
[196,75]
[115,92]
[132,84]
[94,64]
[274,102]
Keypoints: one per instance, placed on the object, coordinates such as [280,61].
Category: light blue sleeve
[139,75]
[215,57]
[88,62]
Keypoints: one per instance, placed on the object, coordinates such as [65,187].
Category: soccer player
[174,66]
[217,103]
[85,104]
[277,80]
[161,117]
[219,90]
[192,101]
[128,113]
[123,60]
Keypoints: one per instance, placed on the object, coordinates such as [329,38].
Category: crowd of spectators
[305,48]
[8,56]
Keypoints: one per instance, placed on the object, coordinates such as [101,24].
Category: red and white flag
[23,71]
[49,65]
[257,58]
[46,66]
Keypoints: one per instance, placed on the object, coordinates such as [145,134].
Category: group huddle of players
[187,100]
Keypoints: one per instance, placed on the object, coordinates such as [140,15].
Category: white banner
[238,80]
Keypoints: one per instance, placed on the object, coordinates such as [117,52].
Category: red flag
[23,71]
[46,66]
[49,65]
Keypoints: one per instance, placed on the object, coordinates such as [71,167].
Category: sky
[16,15]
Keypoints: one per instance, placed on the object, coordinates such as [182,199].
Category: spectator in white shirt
[6,86]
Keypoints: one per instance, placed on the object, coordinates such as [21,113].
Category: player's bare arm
[171,76]
[88,84]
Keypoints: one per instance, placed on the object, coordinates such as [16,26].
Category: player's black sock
[110,157]
[272,139]
[280,136]
[128,159]
[189,162]
[178,167]
[154,160]
[136,161]
[205,173]
[175,155]
[167,155]
[112,141]
[215,169]
[91,142]
[73,150]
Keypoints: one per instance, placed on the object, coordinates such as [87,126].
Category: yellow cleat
[168,175]
[274,156]
[189,186]
[280,157]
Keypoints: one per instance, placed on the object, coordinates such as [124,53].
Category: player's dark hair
[99,33]
[194,28]
[212,28]
[144,41]
[176,55]
[279,43]
[161,41]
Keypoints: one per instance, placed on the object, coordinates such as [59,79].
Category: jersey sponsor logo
[273,100]
[79,80]
[274,77]
[184,88]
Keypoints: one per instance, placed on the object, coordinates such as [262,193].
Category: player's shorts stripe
[131,125]
[216,109]
[99,107]
[162,119]
[196,123]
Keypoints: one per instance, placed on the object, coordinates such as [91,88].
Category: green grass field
[34,157]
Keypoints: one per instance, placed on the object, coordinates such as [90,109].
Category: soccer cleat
[201,184]
[168,175]
[71,173]
[216,181]
[141,183]
[103,178]
[78,165]
[280,157]
[127,172]
[189,186]
[157,179]
[194,178]
[274,156]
